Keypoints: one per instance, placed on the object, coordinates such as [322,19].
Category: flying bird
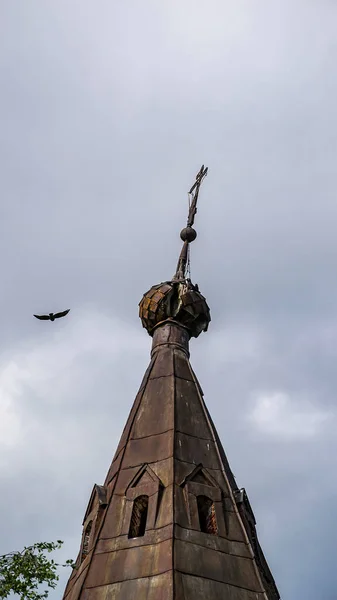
[52,316]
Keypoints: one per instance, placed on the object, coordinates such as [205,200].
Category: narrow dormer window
[207,516]
[139,517]
[86,540]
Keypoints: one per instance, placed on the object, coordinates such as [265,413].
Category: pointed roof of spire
[170,522]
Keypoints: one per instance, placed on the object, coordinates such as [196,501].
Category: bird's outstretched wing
[61,314]
[42,317]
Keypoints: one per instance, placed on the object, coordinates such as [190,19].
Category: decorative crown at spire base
[178,301]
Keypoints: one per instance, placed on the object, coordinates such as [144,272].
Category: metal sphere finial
[188,234]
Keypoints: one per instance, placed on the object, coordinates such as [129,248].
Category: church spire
[170,522]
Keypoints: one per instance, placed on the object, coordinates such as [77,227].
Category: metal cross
[184,254]
[193,208]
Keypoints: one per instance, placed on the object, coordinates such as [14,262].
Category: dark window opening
[86,540]
[207,516]
[139,517]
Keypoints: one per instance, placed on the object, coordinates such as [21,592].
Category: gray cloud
[107,112]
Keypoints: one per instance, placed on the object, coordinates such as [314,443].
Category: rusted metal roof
[170,455]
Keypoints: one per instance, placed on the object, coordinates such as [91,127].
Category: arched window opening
[139,517]
[207,516]
[86,540]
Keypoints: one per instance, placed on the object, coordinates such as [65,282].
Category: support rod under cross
[188,234]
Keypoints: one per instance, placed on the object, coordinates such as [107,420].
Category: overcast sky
[108,110]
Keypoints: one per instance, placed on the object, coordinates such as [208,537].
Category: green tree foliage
[23,573]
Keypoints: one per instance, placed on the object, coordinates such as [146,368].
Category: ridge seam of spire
[167,526]
[198,437]
[186,541]
[230,491]
[188,462]
[174,470]
[121,535]
[180,346]
[116,477]
[129,579]
[239,587]
[76,578]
